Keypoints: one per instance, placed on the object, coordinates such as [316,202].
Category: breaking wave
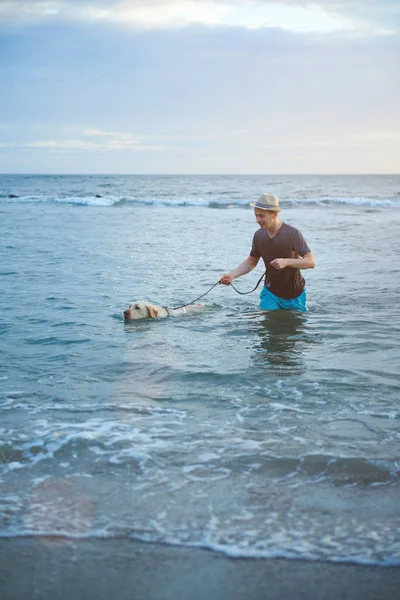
[216,202]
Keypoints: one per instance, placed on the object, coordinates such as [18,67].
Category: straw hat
[267,202]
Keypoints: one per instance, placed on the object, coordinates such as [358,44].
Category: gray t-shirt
[287,283]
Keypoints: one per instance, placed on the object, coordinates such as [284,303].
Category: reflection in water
[282,340]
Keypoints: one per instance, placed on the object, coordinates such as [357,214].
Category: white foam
[215,203]
[15,465]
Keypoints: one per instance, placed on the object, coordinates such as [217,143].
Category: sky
[199,86]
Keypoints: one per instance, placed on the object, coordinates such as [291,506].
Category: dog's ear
[153,312]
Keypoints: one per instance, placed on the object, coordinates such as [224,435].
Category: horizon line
[199,174]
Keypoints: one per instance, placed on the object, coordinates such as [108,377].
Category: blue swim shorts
[268,301]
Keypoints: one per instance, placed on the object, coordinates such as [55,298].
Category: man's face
[265,218]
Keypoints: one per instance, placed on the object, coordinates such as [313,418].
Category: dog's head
[140,310]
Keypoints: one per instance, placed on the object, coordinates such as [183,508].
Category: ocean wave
[110,442]
[219,202]
[59,510]
[285,506]
[347,201]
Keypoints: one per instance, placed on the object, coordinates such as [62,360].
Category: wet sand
[119,569]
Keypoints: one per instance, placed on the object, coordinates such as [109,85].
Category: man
[284,252]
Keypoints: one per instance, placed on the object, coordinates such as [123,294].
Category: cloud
[96,140]
[90,96]
[293,15]
[363,139]
[82,145]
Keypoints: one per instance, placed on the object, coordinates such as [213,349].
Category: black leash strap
[213,286]
[253,290]
[202,296]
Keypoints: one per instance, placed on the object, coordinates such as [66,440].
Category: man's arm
[306,262]
[245,267]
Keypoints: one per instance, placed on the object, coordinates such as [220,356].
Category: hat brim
[271,208]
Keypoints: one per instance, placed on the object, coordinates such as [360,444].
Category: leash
[254,288]
[195,300]
[215,284]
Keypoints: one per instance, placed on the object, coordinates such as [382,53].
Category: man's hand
[279,263]
[226,279]
[245,267]
[306,262]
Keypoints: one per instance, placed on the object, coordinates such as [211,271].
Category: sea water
[253,434]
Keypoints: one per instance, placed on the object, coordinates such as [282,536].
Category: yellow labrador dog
[145,310]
